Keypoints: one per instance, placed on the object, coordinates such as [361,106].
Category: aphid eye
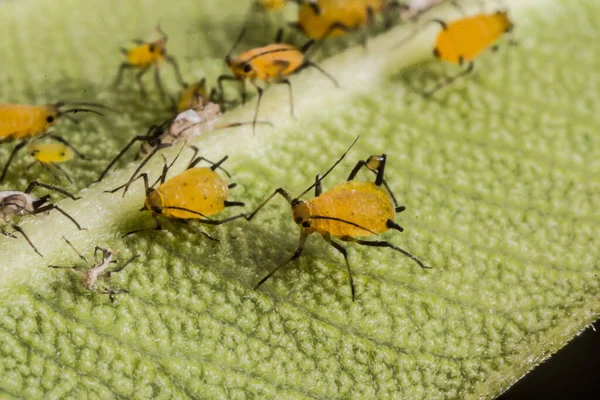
[247,68]
[298,220]
[50,119]
[62,154]
[157,210]
[306,224]
[151,48]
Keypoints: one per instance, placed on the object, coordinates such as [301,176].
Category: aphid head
[158,47]
[301,213]
[154,202]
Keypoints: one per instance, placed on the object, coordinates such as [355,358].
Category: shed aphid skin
[185,126]
[322,19]
[15,204]
[461,41]
[99,271]
[196,194]
[271,64]
[144,56]
[22,123]
[196,97]
[415,8]
[347,211]
[50,155]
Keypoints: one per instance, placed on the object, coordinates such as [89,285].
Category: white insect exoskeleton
[16,204]
[99,271]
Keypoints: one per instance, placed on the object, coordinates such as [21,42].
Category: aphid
[146,55]
[14,203]
[50,155]
[99,271]
[322,19]
[272,64]
[196,194]
[195,96]
[461,41]
[347,211]
[271,5]
[185,126]
[24,122]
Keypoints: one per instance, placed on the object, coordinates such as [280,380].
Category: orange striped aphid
[50,155]
[99,271]
[347,211]
[21,122]
[194,195]
[271,64]
[322,19]
[461,41]
[146,55]
[16,204]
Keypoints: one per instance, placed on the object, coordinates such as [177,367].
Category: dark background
[572,373]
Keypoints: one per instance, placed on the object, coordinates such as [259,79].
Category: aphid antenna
[165,37]
[235,44]
[329,170]
[83,103]
[76,110]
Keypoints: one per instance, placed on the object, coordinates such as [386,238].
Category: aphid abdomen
[360,203]
[141,56]
[466,38]
[198,189]
[18,121]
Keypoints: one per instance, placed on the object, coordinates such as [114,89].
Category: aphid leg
[122,69]
[144,176]
[158,227]
[143,163]
[12,155]
[280,191]
[234,203]
[10,235]
[122,267]
[50,207]
[344,252]
[222,78]
[288,83]
[55,165]
[18,229]
[214,165]
[384,244]
[297,253]
[232,185]
[370,20]
[69,145]
[202,232]
[35,184]
[449,80]
[156,131]
[47,168]
[103,251]
[279,35]
[307,64]
[77,251]
[260,93]
[138,78]
[161,91]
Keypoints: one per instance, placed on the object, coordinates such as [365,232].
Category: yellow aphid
[271,64]
[461,41]
[321,19]
[144,56]
[23,122]
[348,211]
[271,5]
[49,153]
[196,194]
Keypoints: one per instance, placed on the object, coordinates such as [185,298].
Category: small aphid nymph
[50,155]
[347,211]
[16,204]
[146,55]
[99,271]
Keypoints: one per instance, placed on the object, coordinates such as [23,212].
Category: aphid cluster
[350,211]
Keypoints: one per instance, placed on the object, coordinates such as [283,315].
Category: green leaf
[498,173]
